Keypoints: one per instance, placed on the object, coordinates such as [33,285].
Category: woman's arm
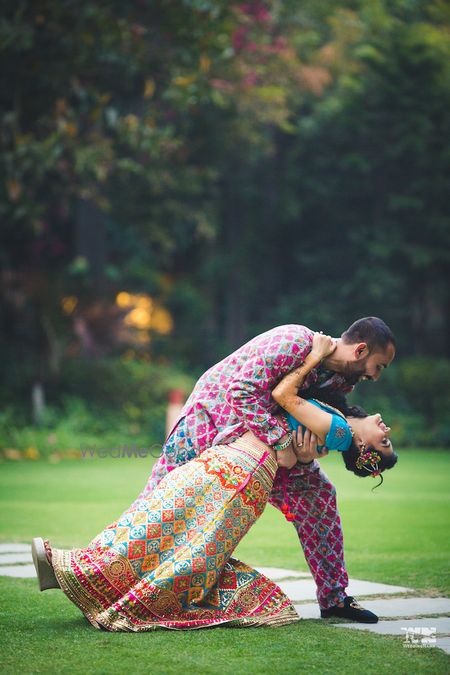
[286,391]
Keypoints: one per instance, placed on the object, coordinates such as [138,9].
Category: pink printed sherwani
[234,396]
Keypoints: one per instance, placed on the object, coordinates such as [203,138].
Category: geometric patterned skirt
[166,562]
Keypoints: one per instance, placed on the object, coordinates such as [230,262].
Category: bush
[120,384]
[101,404]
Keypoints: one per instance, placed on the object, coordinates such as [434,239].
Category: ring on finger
[299,445]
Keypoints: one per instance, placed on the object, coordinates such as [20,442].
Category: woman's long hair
[338,400]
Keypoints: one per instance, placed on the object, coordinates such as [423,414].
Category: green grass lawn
[396,534]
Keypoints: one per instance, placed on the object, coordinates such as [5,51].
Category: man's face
[365,366]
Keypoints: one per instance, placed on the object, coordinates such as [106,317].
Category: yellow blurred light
[144,314]
[184,80]
[144,301]
[31,453]
[69,303]
[162,321]
[123,299]
[139,318]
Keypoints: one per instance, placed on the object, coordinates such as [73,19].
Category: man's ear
[361,350]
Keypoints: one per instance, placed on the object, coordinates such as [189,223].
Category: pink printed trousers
[311,498]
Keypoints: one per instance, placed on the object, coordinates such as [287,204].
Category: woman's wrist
[316,357]
[283,443]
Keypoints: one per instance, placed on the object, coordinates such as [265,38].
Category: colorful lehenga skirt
[166,562]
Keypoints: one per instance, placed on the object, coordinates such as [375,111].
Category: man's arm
[249,393]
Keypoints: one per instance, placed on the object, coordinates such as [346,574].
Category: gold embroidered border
[61,560]
[255,451]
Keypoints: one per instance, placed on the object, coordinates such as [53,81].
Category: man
[235,396]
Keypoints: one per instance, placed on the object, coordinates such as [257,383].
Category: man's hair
[371,330]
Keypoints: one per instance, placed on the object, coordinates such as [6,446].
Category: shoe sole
[45,573]
[348,618]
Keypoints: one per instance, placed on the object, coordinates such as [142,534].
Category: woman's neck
[355,427]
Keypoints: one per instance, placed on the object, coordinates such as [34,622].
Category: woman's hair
[338,400]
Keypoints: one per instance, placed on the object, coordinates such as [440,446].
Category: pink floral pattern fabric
[235,396]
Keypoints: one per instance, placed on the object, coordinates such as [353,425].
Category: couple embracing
[250,433]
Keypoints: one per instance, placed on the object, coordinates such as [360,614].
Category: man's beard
[353,373]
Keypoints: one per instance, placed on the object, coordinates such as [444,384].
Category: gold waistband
[256,451]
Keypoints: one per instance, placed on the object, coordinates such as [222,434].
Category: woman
[363,439]
[166,562]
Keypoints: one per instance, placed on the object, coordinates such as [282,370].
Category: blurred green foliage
[244,165]
[115,403]
[107,404]
[413,395]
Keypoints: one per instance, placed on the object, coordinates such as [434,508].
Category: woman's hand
[323,345]
[305,445]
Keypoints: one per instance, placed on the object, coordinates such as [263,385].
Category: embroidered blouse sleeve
[339,437]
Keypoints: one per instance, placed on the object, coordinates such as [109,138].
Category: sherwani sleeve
[249,393]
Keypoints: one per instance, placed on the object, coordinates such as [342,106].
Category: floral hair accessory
[368,460]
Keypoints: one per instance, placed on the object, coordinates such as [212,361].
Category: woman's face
[375,433]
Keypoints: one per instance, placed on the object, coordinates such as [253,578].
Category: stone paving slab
[15,548]
[277,573]
[392,607]
[442,626]
[8,558]
[440,637]
[18,571]
[305,589]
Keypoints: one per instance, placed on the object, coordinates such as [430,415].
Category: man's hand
[303,449]
[287,458]
[305,445]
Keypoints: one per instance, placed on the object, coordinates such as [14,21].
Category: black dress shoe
[351,610]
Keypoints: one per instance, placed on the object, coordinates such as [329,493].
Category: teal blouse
[339,436]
